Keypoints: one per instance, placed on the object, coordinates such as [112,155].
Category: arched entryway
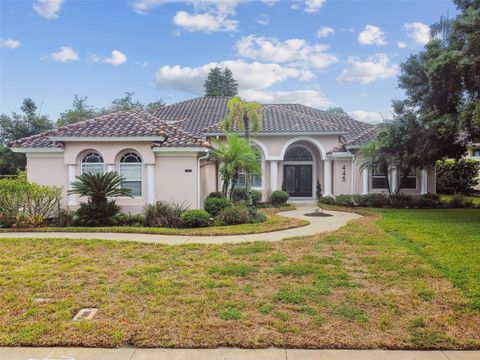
[299,171]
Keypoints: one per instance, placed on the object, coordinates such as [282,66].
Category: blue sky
[320,53]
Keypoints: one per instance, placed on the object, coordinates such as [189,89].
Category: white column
[150,183]
[72,171]
[273,175]
[424,181]
[327,177]
[394,179]
[365,181]
[110,167]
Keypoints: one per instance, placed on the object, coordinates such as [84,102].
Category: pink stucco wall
[48,170]
[176,179]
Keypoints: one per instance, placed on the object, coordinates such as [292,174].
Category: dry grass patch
[357,287]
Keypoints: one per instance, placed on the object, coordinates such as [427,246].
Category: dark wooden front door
[298,180]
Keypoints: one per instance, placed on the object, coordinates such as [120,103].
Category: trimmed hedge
[195,218]
[457,176]
[233,215]
[279,198]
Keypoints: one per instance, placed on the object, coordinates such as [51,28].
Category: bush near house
[163,214]
[278,198]
[214,205]
[240,195]
[401,201]
[25,204]
[457,176]
[233,215]
[195,218]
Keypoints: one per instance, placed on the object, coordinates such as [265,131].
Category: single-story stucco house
[165,155]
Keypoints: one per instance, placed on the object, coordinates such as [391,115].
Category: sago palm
[99,187]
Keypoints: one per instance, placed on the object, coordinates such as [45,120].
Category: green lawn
[408,280]
[449,240]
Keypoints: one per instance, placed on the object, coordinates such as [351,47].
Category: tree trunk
[246,126]
[234,182]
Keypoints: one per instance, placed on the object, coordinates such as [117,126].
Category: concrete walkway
[317,225]
[227,354]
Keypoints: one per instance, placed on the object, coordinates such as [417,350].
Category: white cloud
[375,67]
[48,8]
[371,117]
[65,54]
[306,97]
[116,58]
[402,44]
[372,35]
[250,76]
[9,43]
[204,22]
[209,15]
[263,19]
[291,51]
[418,32]
[325,31]
[312,6]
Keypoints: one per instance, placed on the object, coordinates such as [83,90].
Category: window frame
[84,162]
[412,174]
[124,165]
[376,176]
[260,158]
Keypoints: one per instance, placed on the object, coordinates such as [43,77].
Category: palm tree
[99,187]
[98,211]
[442,29]
[246,116]
[373,155]
[235,155]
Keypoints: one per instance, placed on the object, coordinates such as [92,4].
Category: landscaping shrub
[279,198]
[360,200]
[123,219]
[233,215]
[329,200]
[215,205]
[195,218]
[98,188]
[401,201]
[256,216]
[377,200]
[457,201]
[97,213]
[424,202]
[163,214]
[215,194]
[344,200]
[318,191]
[457,176]
[24,204]
[66,218]
[240,195]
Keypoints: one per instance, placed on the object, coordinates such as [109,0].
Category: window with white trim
[476,152]
[378,178]
[92,163]
[408,180]
[131,170]
[255,179]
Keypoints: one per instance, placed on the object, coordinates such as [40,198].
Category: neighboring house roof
[133,123]
[187,123]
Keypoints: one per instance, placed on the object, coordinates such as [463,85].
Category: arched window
[131,171]
[92,163]
[298,153]
[255,179]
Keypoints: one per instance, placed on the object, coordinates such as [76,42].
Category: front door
[298,180]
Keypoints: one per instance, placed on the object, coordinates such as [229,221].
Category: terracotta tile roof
[187,123]
[132,123]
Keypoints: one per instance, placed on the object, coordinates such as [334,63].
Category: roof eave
[107,138]
[36,150]
[295,133]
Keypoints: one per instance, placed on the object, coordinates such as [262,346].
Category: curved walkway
[317,225]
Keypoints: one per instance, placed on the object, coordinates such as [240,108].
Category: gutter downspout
[353,175]
[198,176]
